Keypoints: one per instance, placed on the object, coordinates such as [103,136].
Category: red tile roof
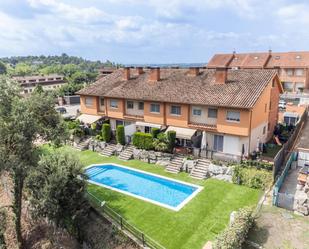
[242,89]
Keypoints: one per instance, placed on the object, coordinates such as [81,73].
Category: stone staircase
[83,145]
[127,153]
[109,150]
[175,164]
[200,170]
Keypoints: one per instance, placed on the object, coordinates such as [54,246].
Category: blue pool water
[162,191]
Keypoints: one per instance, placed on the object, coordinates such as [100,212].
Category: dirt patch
[279,228]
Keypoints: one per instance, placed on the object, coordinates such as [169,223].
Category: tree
[106,132]
[3,69]
[120,136]
[22,121]
[161,143]
[57,190]
[2,228]
[22,69]
[171,137]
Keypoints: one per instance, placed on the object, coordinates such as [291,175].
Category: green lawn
[197,222]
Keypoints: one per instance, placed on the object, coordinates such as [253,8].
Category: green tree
[106,132]
[22,69]
[171,137]
[57,190]
[22,122]
[3,69]
[161,142]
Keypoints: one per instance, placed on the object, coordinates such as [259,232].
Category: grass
[200,220]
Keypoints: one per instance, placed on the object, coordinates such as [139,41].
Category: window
[101,101]
[119,122]
[175,110]
[141,105]
[289,72]
[114,103]
[233,116]
[212,113]
[88,101]
[218,143]
[264,130]
[155,108]
[299,72]
[130,105]
[196,112]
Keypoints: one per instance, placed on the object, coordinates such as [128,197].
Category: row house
[48,82]
[292,67]
[238,109]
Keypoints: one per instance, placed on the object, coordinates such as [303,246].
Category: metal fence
[122,223]
[283,154]
[280,180]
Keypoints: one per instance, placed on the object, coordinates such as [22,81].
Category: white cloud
[294,14]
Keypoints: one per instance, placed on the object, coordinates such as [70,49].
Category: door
[218,143]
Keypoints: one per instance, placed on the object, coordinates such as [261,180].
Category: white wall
[203,119]
[256,134]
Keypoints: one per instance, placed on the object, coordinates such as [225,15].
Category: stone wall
[151,156]
[301,198]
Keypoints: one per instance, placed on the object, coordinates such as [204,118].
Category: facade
[292,67]
[236,108]
[48,82]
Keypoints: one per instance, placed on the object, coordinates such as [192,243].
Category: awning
[182,133]
[138,123]
[88,119]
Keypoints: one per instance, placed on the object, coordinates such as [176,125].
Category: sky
[151,31]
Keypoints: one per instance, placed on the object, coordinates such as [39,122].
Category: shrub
[161,143]
[73,124]
[258,165]
[120,136]
[171,137]
[78,131]
[251,177]
[143,140]
[155,132]
[99,137]
[235,235]
[106,132]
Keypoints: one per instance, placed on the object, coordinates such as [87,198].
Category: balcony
[133,117]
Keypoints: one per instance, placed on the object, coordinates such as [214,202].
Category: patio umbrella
[204,141]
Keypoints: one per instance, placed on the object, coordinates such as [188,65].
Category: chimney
[154,74]
[139,70]
[221,75]
[194,71]
[126,73]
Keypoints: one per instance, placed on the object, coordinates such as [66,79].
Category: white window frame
[234,120]
[215,146]
[139,105]
[199,110]
[88,101]
[156,105]
[289,72]
[178,107]
[113,103]
[213,109]
[299,70]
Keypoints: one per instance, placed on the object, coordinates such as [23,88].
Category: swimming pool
[159,190]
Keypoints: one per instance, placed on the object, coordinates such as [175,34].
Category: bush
[120,136]
[73,124]
[251,177]
[143,140]
[171,137]
[78,131]
[235,235]
[155,132]
[258,165]
[161,143]
[106,133]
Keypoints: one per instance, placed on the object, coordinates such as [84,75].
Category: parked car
[61,110]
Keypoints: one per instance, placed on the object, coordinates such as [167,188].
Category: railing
[124,225]
[281,178]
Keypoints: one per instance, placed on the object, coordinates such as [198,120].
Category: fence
[124,225]
[283,154]
[281,178]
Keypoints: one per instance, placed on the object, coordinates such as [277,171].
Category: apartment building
[236,108]
[292,67]
[48,82]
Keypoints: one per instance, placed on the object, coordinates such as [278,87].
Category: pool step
[200,170]
[175,164]
[109,150]
[127,153]
[94,171]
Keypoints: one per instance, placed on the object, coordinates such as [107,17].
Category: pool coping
[177,208]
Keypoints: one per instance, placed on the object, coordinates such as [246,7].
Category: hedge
[235,235]
[251,177]
[155,132]
[106,132]
[120,136]
[143,140]
[171,137]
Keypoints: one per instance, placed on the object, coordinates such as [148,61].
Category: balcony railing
[202,126]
